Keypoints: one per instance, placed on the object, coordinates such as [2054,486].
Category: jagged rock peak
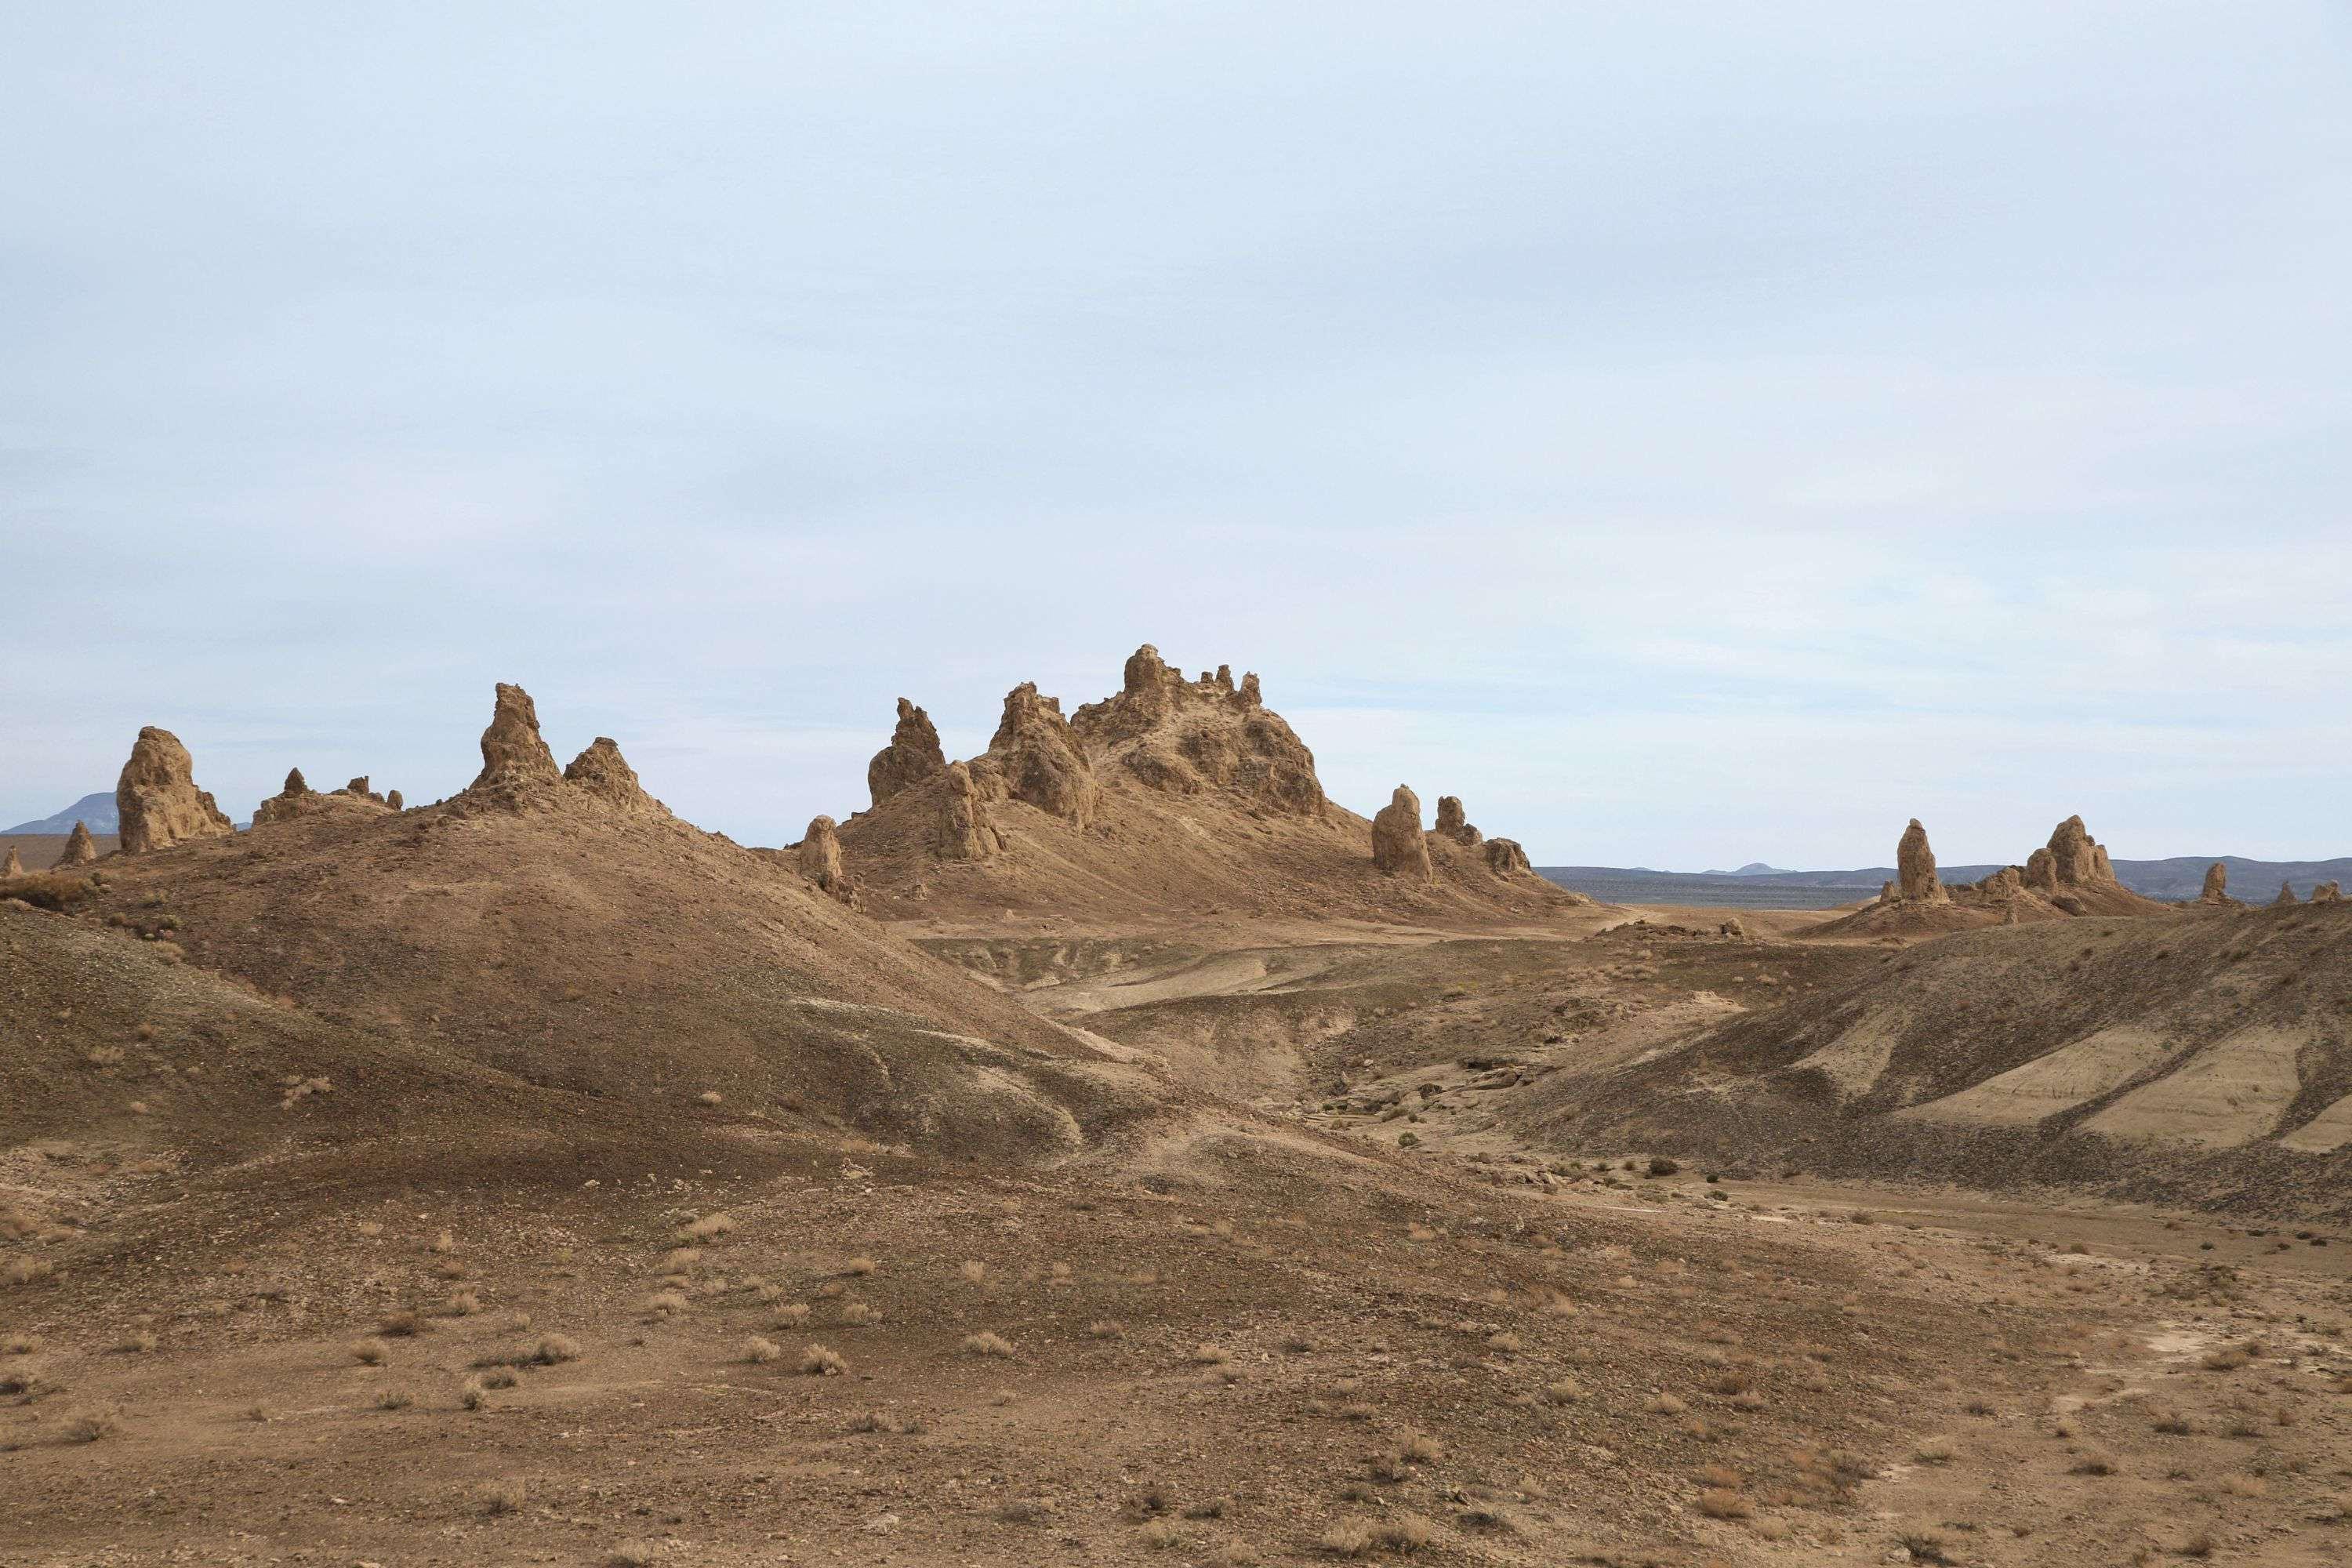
[13,866]
[2286,895]
[1250,696]
[1398,849]
[81,848]
[295,782]
[912,755]
[1453,823]
[963,832]
[820,857]
[516,763]
[2076,861]
[602,773]
[1223,678]
[2217,886]
[157,800]
[1040,757]
[1915,868]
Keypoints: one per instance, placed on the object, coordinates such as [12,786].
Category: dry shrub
[974,1270]
[140,1343]
[1664,1403]
[2244,1486]
[27,1270]
[371,1228]
[1722,1502]
[371,1352]
[1504,1343]
[817,1361]
[633,1554]
[710,1228]
[792,1315]
[498,1377]
[859,1266]
[711,1097]
[402,1326]
[474,1394]
[1212,1355]
[666,1303]
[1420,1449]
[1347,1539]
[1568,1391]
[553,1349]
[1158,1535]
[394,1399]
[1933,1451]
[760,1351]
[463,1304]
[55,892]
[1107,1330]
[2093,1465]
[444,1242]
[988,1345]
[500,1497]
[92,1422]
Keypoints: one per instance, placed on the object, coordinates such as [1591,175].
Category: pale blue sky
[1691,433]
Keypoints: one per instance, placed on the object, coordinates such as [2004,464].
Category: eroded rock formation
[13,866]
[2217,886]
[602,774]
[1505,857]
[392,798]
[1182,737]
[2327,893]
[1398,848]
[912,755]
[2286,895]
[1915,868]
[81,848]
[963,831]
[1454,823]
[820,857]
[299,799]
[157,800]
[517,767]
[1040,759]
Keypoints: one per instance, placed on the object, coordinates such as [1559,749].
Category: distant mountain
[1762,887]
[98,810]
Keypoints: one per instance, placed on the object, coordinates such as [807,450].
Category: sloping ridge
[1172,800]
[2205,1056]
[562,928]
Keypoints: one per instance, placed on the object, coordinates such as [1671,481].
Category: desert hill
[1172,800]
[96,810]
[2202,1056]
[562,928]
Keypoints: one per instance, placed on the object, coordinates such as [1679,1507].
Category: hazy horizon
[1691,435]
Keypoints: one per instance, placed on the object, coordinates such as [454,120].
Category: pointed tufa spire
[820,857]
[1452,823]
[963,831]
[2217,886]
[295,782]
[912,755]
[1398,846]
[13,866]
[156,801]
[602,774]
[1915,868]
[1040,757]
[79,849]
[515,761]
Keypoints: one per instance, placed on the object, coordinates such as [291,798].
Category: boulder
[1041,763]
[517,767]
[912,755]
[2217,886]
[1505,857]
[81,848]
[601,773]
[156,798]
[820,857]
[1398,848]
[1915,868]
[1454,823]
[963,832]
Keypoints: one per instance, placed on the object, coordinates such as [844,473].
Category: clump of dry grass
[666,1303]
[140,1343]
[973,1270]
[633,1554]
[1212,1355]
[792,1315]
[371,1352]
[394,1399]
[859,1266]
[27,1270]
[711,1097]
[1160,1535]
[553,1349]
[710,1228]
[402,1326]
[1664,1403]
[988,1345]
[371,1228]
[463,1304]
[1933,1451]
[1106,1328]
[444,1242]
[92,1422]
[1568,1391]
[1722,1502]
[20,1344]
[818,1361]
[499,1497]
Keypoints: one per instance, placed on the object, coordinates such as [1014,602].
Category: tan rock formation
[81,848]
[1249,695]
[2042,871]
[1505,857]
[1042,763]
[963,832]
[2286,895]
[1915,868]
[295,782]
[2076,859]
[13,866]
[517,767]
[820,857]
[1398,848]
[1454,823]
[157,799]
[912,755]
[2217,886]
[1888,893]
[392,798]
[299,799]
[2327,893]
[2006,883]
[602,774]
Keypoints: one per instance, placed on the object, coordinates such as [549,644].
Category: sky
[1691,433]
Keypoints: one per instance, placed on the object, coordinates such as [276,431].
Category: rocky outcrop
[2076,859]
[601,773]
[81,848]
[963,832]
[1452,823]
[516,767]
[1183,737]
[1888,893]
[2286,895]
[2004,884]
[299,799]
[13,866]
[295,782]
[2042,871]
[1398,848]
[1915,868]
[392,798]
[1039,757]
[2327,893]
[912,755]
[820,857]
[1249,696]
[1505,857]
[2217,886]
[157,801]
